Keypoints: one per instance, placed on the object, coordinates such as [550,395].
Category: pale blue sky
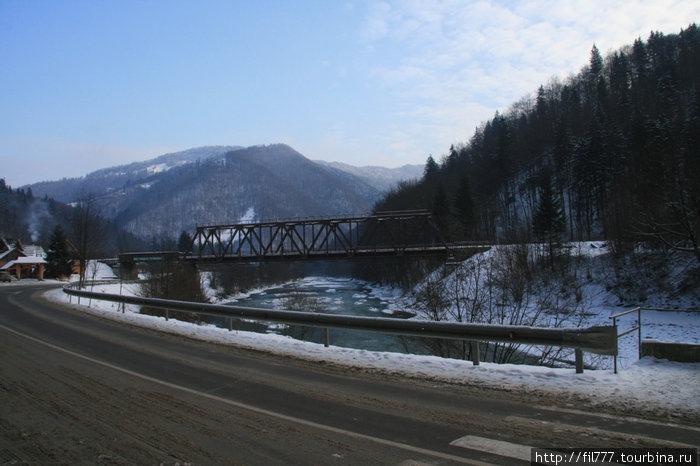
[90,84]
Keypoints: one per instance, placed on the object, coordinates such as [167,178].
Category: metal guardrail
[638,328]
[598,339]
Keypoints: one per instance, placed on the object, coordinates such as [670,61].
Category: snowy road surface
[99,390]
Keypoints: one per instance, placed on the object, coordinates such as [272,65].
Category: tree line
[609,153]
[66,232]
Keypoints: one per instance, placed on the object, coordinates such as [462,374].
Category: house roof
[23,260]
[30,250]
[33,250]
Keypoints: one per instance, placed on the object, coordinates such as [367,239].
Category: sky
[93,84]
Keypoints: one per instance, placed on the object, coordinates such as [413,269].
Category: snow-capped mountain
[175,192]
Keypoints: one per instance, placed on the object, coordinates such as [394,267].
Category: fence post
[579,360]
[639,332]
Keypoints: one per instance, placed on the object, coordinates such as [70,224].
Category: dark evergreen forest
[611,153]
[32,220]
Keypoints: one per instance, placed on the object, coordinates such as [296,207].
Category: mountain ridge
[380,177]
[171,193]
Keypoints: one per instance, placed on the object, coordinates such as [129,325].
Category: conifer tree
[441,211]
[464,206]
[548,222]
[596,61]
[59,261]
[431,171]
[183,244]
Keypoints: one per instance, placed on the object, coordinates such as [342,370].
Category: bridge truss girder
[381,234]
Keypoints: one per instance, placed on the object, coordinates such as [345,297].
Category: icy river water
[334,296]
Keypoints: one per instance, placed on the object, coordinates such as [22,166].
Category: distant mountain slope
[274,181]
[106,179]
[176,192]
[380,178]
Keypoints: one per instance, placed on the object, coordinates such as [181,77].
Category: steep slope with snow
[274,181]
[103,181]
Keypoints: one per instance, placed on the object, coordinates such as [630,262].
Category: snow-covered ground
[587,287]
[649,385]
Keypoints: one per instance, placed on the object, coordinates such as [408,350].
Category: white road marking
[284,417]
[617,418]
[599,431]
[496,447]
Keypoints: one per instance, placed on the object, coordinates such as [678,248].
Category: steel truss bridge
[402,233]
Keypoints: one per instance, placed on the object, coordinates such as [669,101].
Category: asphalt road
[75,388]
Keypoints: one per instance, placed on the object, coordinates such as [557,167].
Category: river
[332,295]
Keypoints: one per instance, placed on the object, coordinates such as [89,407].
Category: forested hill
[32,220]
[613,152]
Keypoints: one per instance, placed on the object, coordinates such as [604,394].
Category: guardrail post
[167,315]
[327,341]
[475,352]
[615,355]
[579,360]
[230,324]
[639,332]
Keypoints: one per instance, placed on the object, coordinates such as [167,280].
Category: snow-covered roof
[33,250]
[23,260]
[6,253]
[30,250]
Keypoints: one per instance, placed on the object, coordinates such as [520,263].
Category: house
[73,252]
[22,261]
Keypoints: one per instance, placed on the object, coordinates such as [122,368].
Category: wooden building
[22,261]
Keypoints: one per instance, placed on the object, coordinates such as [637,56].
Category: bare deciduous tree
[88,231]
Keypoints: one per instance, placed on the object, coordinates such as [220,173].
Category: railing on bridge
[381,234]
[131,258]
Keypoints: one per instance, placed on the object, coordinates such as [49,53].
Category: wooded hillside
[610,153]
[32,220]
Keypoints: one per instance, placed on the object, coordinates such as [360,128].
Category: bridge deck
[450,249]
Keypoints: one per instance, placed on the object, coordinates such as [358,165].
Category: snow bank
[650,385]
[99,271]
